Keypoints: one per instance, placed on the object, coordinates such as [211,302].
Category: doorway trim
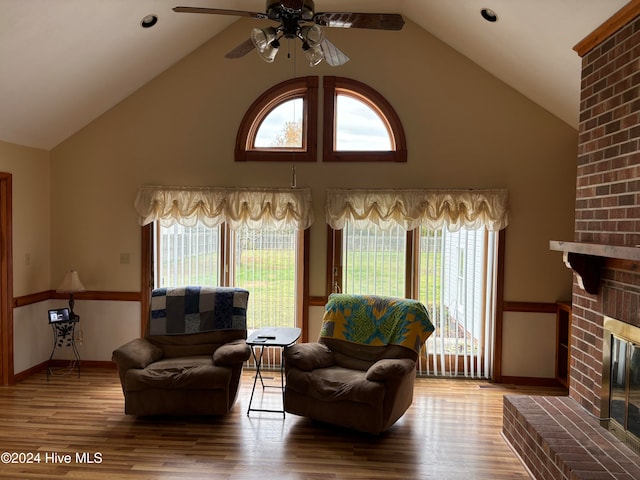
[6,281]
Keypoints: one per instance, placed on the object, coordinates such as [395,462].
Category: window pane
[455,278]
[282,126]
[374,261]
[359,127]
[265,264]
[455,287]
[188,256]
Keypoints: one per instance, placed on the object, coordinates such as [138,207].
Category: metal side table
[64,337]
[270,337]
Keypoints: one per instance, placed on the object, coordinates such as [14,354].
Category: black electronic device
[59,315]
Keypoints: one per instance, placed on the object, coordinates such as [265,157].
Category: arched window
[281,125]
[359,124]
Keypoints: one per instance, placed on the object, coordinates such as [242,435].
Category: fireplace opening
[621,381]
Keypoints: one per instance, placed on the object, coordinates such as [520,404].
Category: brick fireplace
[607,200]
[606,257]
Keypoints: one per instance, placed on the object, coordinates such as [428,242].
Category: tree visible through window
[282,126]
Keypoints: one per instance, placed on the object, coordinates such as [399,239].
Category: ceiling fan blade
[379,21]
[332,54]
[241,50]
[219,11]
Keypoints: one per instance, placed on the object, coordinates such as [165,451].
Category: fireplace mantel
[587,259]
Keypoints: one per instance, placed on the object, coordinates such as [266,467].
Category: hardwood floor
[452,431]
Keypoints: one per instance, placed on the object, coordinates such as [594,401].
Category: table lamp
[71,284]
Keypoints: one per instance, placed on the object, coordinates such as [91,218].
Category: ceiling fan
[298,19]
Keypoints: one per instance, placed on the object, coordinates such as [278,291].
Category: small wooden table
[270,337]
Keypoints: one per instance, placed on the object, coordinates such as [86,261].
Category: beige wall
[31,222]
[464,128]
[31,216]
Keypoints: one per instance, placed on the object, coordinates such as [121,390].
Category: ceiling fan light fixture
[262,37]
[312,35]
[266,42]
[314,54]
[269,53]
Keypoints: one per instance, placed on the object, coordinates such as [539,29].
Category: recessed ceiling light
[149,21]
[489,15]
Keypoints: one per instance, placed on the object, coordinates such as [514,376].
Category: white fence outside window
[455,281]
[261,261]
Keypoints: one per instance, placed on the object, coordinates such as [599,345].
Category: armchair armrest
[308,356]
[389,369]
[231,353]
[137,353]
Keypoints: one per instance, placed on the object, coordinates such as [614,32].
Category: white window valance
[410,209]
[254,207]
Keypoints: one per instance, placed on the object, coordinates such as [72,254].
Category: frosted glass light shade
[264,39]
[314,55]
[312,35]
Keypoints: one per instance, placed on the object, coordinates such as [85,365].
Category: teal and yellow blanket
[376,320]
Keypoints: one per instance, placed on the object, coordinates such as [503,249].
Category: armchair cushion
[137,353]
[308,356]
[337,384]
[186,373]
[231,353]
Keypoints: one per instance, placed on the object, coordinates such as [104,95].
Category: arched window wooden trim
[305,88]
[335,85]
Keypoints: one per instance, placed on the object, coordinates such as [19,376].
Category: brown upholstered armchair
[361,372]
[191,358]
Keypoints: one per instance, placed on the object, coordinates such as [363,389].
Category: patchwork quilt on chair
[176,311]
[377,320]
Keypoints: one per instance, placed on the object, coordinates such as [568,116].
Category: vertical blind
[455,270]
[455,282]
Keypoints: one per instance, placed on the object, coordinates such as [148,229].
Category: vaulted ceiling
[65,62]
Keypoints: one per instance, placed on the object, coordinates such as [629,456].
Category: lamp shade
[71,283]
